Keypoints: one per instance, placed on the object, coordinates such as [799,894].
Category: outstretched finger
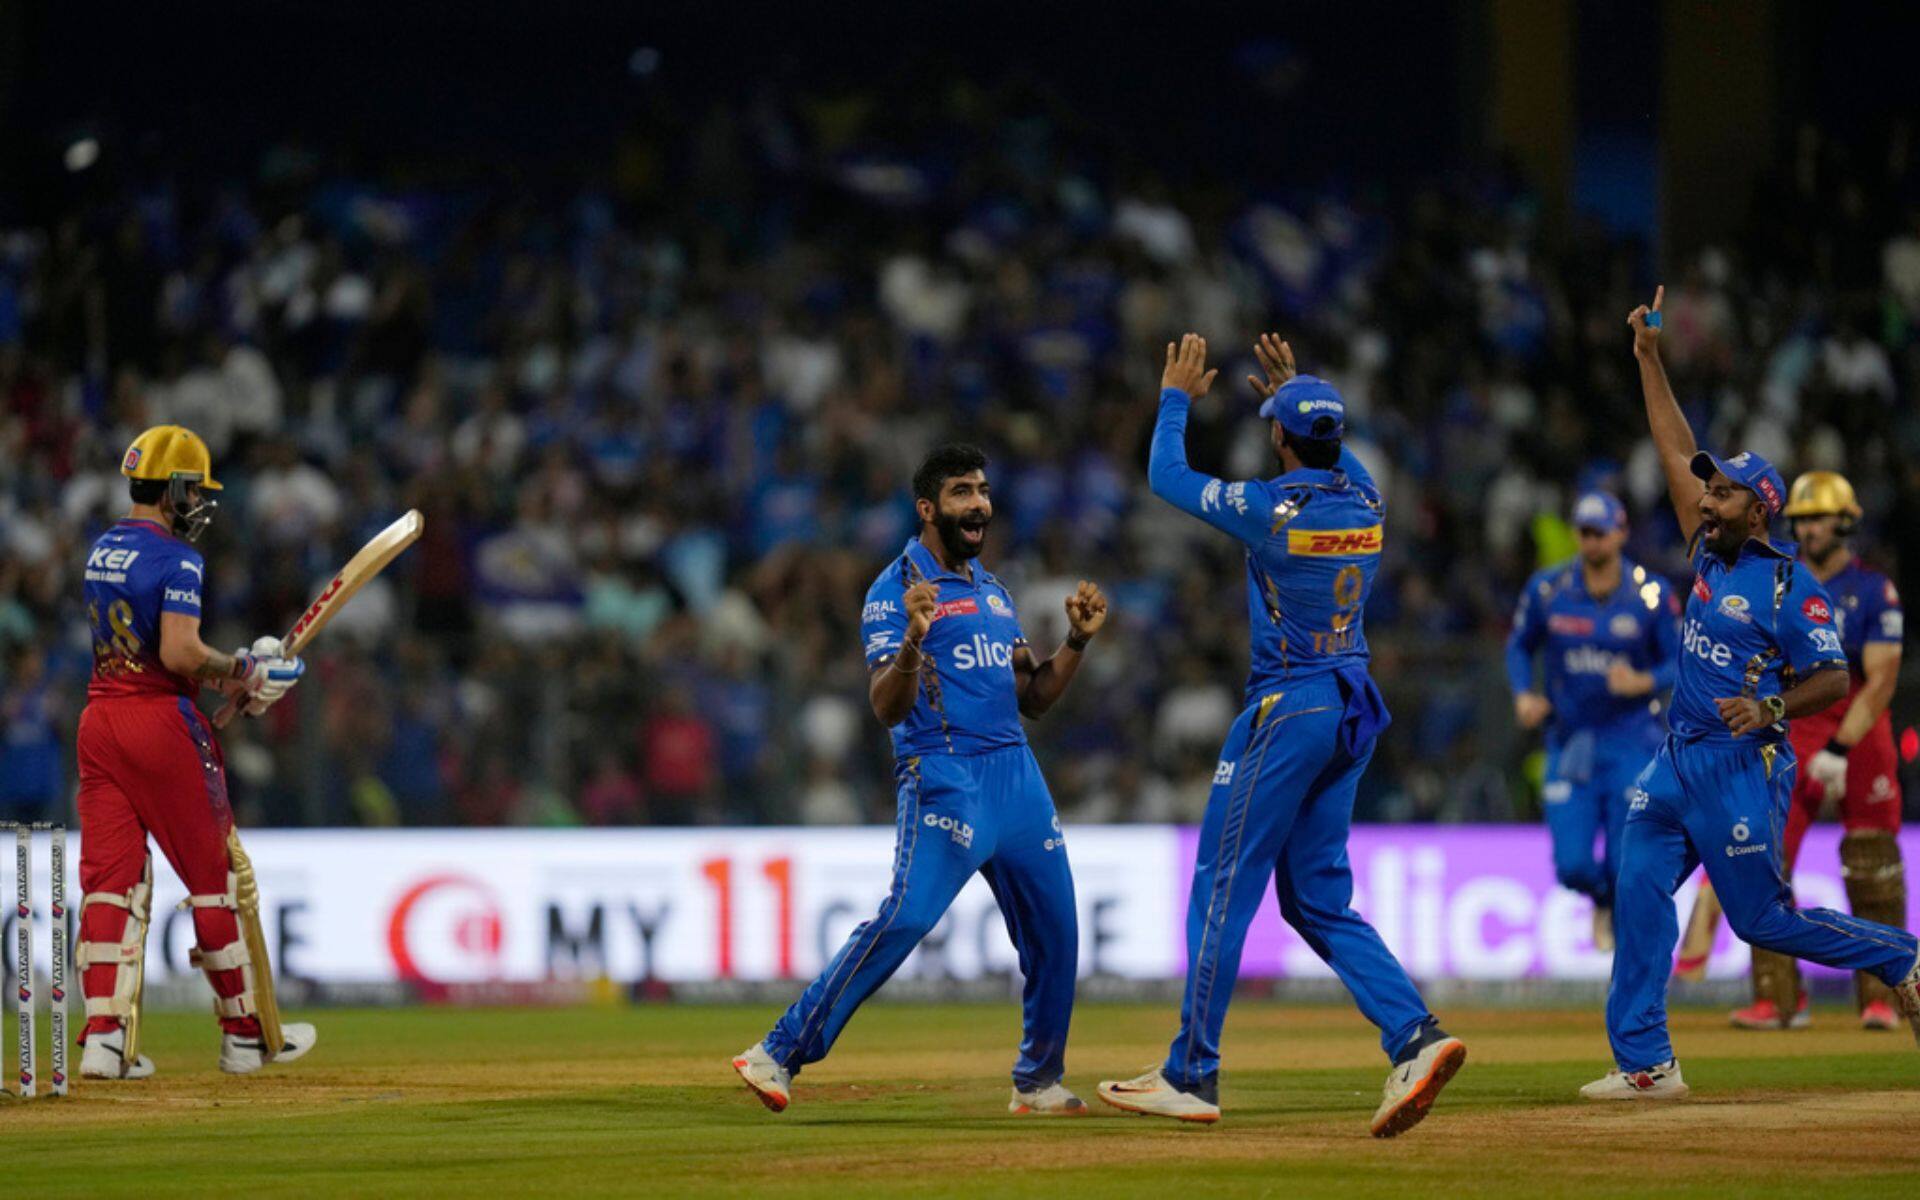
[1659,294]
[1286,356]
[1171,353]
[1206,381]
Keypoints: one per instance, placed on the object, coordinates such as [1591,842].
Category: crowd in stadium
[663,447]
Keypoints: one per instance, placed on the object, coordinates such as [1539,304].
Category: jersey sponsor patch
[954,608]
[1329,542]
[1825,640]
[1815,609]
[1701,591]
[877,610]
[1569,625]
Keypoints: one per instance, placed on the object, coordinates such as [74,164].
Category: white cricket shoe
[1413,1085]
[1907,994]
[1153,1096]
[1662,1082]
[1054,1100]
[105,1057]
[241,1055]
[766,1078]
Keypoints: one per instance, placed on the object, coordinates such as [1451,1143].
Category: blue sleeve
[1241,509]
[1884,620]
[1356,471]
[1809,640]
[1529,625]
[180,583]
[883,621]
[1664,634]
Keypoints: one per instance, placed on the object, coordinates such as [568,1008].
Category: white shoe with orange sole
[1413,1085]
[764,1077]
[1151,1095]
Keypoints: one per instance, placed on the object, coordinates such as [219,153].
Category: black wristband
[1077,644]
[1834,747]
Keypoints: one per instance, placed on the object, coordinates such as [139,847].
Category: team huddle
[1778,668]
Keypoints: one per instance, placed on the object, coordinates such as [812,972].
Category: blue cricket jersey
[967,702]
[1866,609]
[1753,627]
[1579,637]
[1313,542]
[136,571]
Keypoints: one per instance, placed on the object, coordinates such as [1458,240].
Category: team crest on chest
[1623,626]
[1736,607]
[999,607]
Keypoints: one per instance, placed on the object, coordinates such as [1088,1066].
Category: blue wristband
[1653,320]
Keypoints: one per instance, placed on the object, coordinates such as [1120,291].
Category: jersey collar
[150,523]
[917,553]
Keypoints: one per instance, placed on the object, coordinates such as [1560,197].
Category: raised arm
[1672,436]
[1240,509]
[1039,684]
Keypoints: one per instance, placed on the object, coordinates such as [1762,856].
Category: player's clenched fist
[920,601]
[1187,367]
[1086,610]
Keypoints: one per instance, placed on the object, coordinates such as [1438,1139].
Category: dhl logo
[1322,542]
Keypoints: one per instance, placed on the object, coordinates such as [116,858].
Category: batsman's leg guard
[113,1000]
[225,957]
[1876,879]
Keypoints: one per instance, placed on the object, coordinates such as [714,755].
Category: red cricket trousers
[149,766]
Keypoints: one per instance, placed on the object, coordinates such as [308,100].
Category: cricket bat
[1696,945]
[372,559]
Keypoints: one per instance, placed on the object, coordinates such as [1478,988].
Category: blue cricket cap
[1599,510]
[1308,406]
[1748,470]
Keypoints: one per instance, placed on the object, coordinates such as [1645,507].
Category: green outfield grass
[640,1101]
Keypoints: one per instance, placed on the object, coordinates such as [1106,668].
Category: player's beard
[949,527]
[1725,537]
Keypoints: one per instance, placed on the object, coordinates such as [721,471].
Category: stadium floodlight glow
[81,154]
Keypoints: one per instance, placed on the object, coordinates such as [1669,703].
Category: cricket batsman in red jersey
[1847,752]
[149,764]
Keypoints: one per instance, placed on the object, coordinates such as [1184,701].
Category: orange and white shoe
[764,1077]
[1879,1014]
[1151,1095]
[1054,1100]
[1765,1015]
[1413,1085]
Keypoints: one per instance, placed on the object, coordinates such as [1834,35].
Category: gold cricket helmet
[1821,494]
[168,452]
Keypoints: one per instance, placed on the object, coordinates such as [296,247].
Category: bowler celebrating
[1605,632]
[1758,648]
[951,676]
[1282,796]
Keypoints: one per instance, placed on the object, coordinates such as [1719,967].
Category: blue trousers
[1724,807]
[1280,809]
[959,814]
[1589,775]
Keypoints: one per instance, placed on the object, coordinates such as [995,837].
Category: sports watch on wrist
[1776,706]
